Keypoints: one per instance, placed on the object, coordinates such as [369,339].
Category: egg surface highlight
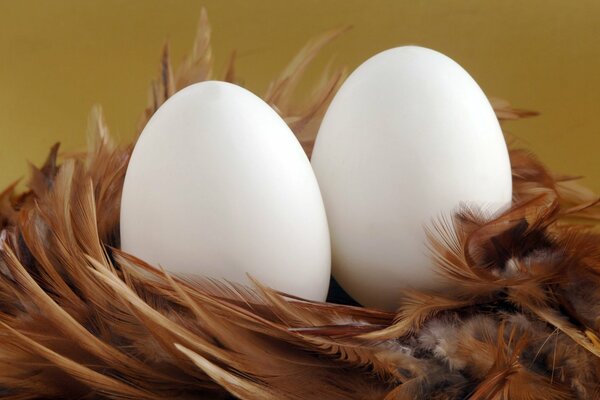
[408,138]
[218,186]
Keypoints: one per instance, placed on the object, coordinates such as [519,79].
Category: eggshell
[407,139]
[218,186]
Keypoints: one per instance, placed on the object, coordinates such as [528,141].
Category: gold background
[58,58]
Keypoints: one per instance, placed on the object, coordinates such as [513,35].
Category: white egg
[409,137]
[218,186]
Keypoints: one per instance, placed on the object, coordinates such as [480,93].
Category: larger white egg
[408,138]
[218,186]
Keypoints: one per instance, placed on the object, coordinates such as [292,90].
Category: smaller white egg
[219,186]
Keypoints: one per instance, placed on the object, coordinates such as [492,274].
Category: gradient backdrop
[58,58]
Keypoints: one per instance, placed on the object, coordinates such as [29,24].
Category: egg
[218,186]
[408,138]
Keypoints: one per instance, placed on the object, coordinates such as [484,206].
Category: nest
[81,319]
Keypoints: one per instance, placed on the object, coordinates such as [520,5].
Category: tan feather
[506,112]
[509,379]
[416,308]
[280,90]
[198,65]
[243,388]
[230,73]
[102,383]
